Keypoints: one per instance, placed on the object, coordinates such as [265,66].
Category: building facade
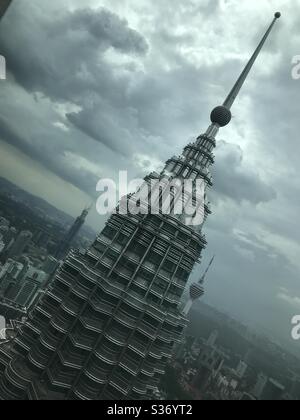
[106,327]
[108,323]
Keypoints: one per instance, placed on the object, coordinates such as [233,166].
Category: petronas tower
[107,325]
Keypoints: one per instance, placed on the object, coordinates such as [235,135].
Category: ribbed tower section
[106,327]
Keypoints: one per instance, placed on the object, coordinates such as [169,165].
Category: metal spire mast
[206,271]
[4,4]
[221,115]
[241,80]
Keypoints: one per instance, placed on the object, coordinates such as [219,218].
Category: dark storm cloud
[62,58]
[117,111]
[120,111]
[73,68]
[107,29]
[235,180]
[55,162]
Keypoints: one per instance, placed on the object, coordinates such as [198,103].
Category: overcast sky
[98,86]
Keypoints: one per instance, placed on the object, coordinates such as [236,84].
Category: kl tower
[197,290]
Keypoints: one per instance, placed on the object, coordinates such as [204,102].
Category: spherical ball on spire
[221,115]
[277,15]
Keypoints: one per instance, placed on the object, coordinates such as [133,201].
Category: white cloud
[61,126]
[293,301]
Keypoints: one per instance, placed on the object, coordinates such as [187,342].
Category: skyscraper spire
[206,271]
[4,4]
[67,241]
[221,115]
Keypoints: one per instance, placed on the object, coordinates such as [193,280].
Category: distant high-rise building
[273,391]
[28,288]
[107,326]
[267,389]
[212,339]
[9,276]
[68,240]
[295,389]
[3,231]
[9,236]
[20,244]
[260,384]
[2,244]
[241,369]
[20,282]
[4,222]
[4,6]
[196,291]
[50,265]
[210,361]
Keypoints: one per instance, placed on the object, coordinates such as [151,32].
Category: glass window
[146,275]
[182,237]
[182,274]
[99,247]
[102,269]
[154,258]
[169,266]
[137,248]
[169,228]
[137,290]
[109,232]
[122,239]
[112,254]
[155,221]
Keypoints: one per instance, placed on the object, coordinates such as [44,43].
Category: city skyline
[257,214]
[108,323]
